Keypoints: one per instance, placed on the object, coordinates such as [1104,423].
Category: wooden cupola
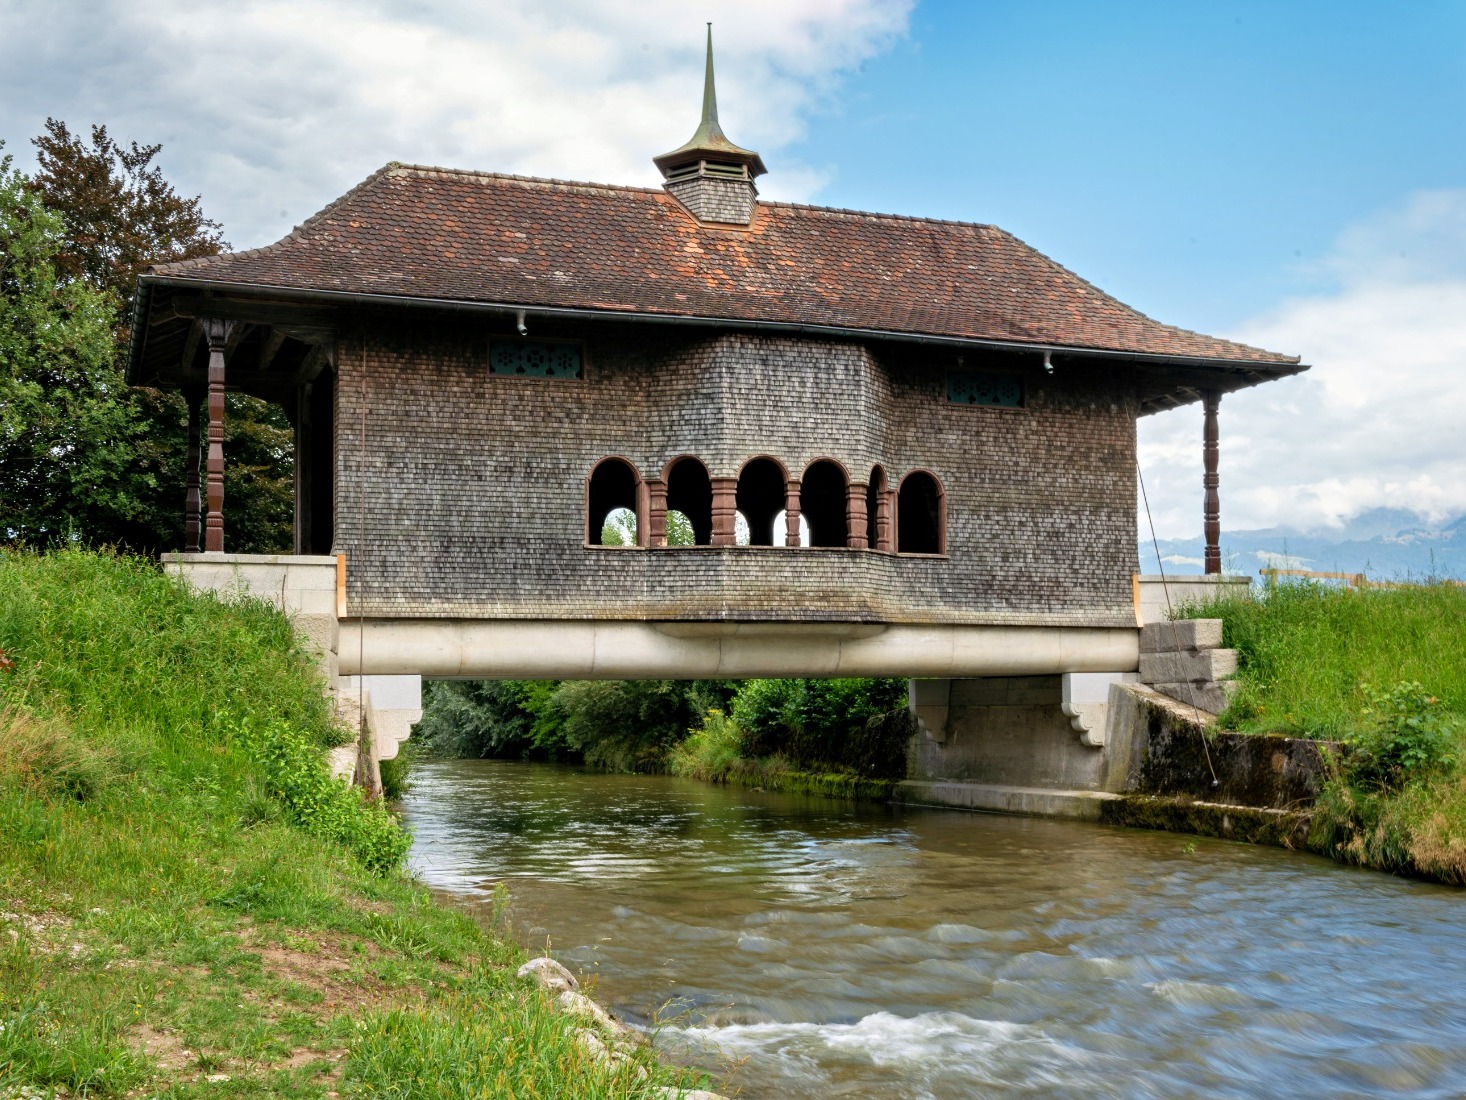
[709,175]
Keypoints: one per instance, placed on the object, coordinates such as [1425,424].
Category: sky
[1288,174]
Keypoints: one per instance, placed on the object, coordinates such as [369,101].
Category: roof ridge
[776,203]
[476,173]
[295,234]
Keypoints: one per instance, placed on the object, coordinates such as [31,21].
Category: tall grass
[1311,653]
[184,894]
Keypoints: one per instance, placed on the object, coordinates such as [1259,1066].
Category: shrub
[297,776]
[708,753]
[1407,737]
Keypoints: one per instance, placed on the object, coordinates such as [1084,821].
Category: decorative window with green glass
[994,390]
[535,359]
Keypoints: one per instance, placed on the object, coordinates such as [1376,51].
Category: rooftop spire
[709,146]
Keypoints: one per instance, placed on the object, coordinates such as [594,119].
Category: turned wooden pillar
[791,512]
[1212,505]
[656,512]
[856,538]
[725,510]
[216,333]
[883,520]
[192,501]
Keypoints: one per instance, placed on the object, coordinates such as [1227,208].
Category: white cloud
[1378,421]
[272,108]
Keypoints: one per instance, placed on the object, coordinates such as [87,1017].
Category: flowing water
[812,947]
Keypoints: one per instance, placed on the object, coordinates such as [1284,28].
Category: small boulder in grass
[578,1004]
[667,1092]
[549,975]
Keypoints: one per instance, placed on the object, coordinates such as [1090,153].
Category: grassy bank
[1384,671]
[191,906]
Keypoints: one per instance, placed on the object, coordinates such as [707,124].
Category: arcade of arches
[825,504]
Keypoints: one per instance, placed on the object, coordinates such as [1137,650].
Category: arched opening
[822,493]
[760,498]
[878,511]
[612,493]
[690,492]
[921,518]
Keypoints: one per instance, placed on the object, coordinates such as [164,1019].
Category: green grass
[1384,671]
[183,898]
[1309,653]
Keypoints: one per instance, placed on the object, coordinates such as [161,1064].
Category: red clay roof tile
[431,233]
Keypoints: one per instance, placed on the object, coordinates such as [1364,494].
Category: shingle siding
[466,497]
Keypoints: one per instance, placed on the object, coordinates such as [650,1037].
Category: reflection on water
[827,949]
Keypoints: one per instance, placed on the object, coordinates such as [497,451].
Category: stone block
[1211,697]
[1181,635]
[1197,668]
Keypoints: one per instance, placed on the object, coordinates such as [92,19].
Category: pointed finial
[709,90]
[709,143]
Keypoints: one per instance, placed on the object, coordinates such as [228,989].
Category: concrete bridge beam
[588,650]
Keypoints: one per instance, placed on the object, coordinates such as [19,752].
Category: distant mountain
[1385,543]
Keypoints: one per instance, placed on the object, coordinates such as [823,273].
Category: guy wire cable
[1170,611]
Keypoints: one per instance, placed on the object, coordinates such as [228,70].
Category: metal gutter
[341,297]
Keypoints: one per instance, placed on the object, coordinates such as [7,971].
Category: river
[801,946]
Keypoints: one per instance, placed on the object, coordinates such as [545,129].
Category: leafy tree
[121,215]
[119,453]
[67,429]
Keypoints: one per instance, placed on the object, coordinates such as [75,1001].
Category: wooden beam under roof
[270,347]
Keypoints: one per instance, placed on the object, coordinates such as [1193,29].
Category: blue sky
[1292,174]
[1189,158]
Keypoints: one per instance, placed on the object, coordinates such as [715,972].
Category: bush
[708,753]
[1408,738]
[297,775]
[819,723]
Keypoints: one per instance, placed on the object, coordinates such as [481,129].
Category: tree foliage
[83,457]
[66,425]
[120,214]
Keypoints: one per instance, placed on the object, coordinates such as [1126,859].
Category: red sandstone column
[656,512]
[883,520]
[725,509]
[192,501]
[217,333]
[856,537]
[791,513]
[1212,505]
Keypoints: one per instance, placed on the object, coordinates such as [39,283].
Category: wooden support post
[216,332]
[304,473]
[1212,505]
[856,537]
[791,512]
[725,510]
[192,501]
[656,512]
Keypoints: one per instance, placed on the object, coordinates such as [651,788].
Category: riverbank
[1380,670]
[193,907]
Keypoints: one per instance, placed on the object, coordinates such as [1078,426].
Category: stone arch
[921,514]
[690,491]
[614,483]
[823,500]
[761,496]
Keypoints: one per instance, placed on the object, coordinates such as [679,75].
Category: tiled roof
[466,236]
